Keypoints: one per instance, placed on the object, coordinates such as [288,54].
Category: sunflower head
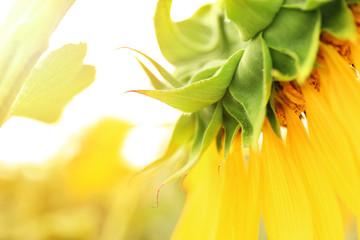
[235,63]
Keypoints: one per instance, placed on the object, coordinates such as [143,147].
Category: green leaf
[284,66]
[296,33]
[251,16]
[305,4]
[23,38]
[208,125]
[199,94]
[337,19]
[251,88]
[53,83]
[189,40]
[271,113]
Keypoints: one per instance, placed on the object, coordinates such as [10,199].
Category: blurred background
[77,178]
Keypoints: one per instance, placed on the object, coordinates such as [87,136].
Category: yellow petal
[232,203]
[341,90]
[200,214]
[253,199]
[240,202]
[326,213]
[333,148]
[222,203]
[286,208]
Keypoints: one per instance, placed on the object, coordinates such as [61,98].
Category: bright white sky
[105,26]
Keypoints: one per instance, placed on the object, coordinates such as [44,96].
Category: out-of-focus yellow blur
[93,194]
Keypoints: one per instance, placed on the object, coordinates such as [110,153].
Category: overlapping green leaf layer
[227,57]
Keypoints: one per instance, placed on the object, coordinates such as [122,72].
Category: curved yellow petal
[222,202]
[200,213]
[326,213]
[254,197]
[341,90]
[333,148]
[233,196]
[286,208]
[240,203]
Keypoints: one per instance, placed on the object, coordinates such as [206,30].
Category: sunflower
[271,94]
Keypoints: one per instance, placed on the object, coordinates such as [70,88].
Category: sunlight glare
[104,27]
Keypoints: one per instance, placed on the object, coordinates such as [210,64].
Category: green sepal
[238,112]
[204,74]
[155,82]
[219,140]
[271,113]
[284,68]
[189,40]
[181,137]
[231,127]
[202,93]
[187,73]
[163,72]
[305,4]
[53,82]
[296,33]
[251,16]
[207,131]
[337,19]
[208,124]
[251,88]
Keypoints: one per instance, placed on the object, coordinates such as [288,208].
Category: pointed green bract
[157,84]
[252,84]
[165,74]
[271,113]
[231,126]
[204,74]
[338,20]
[53,82]
[199,94]
[238,112]
[296,33]
[204,140]
[23,38]
[251,16]
[208,124]
[305,4]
